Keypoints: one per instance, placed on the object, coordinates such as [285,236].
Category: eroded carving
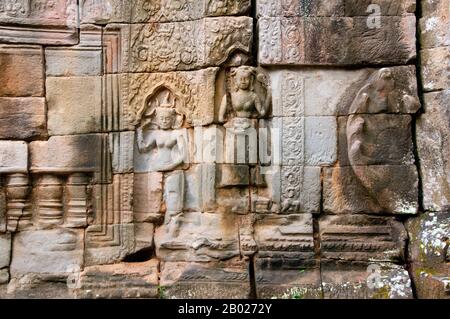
[168,147]
[18,209]
[380,95]
[188,45]
[158,135]
[378,149]
[249,96]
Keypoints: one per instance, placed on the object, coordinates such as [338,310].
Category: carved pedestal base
[17,189]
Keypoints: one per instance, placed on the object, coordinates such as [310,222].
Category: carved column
[50,193]
[17,190]
[76,188]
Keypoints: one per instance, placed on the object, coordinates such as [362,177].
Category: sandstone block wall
[224,149]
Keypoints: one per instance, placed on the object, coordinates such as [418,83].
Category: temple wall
[224,149]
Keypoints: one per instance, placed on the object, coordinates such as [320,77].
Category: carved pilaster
[50,192]
[76,188]
[17,190]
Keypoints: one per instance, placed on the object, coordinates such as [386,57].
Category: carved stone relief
[142,11]
[146,151]
[370,156]
[188,45]
[39,22]
[284,40]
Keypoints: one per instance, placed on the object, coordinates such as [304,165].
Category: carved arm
[223,109]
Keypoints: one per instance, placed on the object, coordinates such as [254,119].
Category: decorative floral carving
[144,86]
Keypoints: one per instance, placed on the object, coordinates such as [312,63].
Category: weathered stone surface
[167,162]
[334,8]
[148,196]
[148,159]
[115,48]
[224,280]
[36,12]
[74,105]
[113,112]
[387,7]
[42,35]
[433,146]
[435,68]
[362,238]
[108,244]
[13,157]
[39,286]
[198,108]
[343,41]
[22,71]
[4,278]
[189,10]
[429,236]
[296,283]
[435,24]
[267,8]
[309,140]
[110,237]
[208,144]
[187,45]
[124,280]
[102,12]
[428,250]
[432,286]
[75,153]
[293,140]
[430,7]
[434,28]
[320,140]
[375,139]
[200,189]
[312,92]
[84,59]
[285,265]
[365,281]
[2,210]
[37,22]
[197,237]
[284,241]
[22,118]
[300,189]
[121,145]
[233,175]
[143,233]
[233,200]
[5,250]
[55,251]
[371,189]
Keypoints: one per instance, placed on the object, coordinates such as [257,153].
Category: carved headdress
[162,101]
